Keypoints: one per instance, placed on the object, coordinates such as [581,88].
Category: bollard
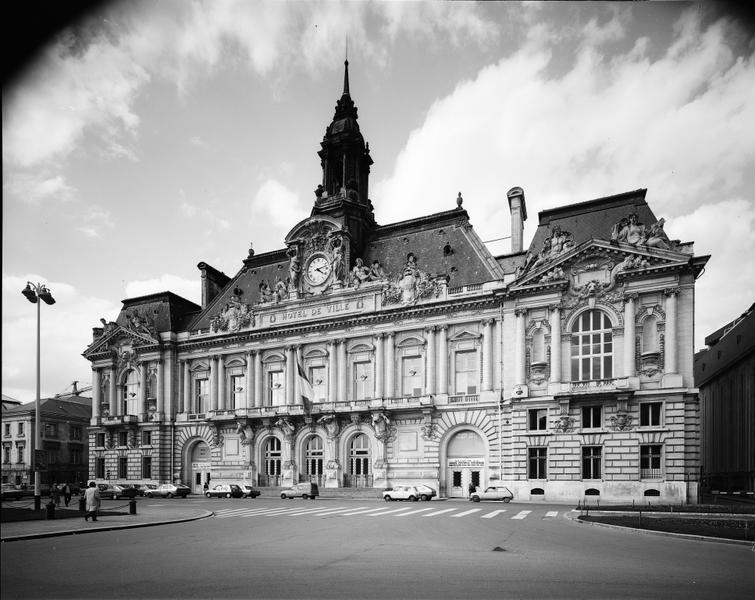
[132,506]
[50,511]
[82,504]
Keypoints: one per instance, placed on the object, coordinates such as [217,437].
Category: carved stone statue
[360,273]
[331,425]
[266,294]
[376,271]
[294,270]
[336,258]
[286,427]
[380,423]
[656,236]
[280,292]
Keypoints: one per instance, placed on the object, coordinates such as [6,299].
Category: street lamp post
[33,293]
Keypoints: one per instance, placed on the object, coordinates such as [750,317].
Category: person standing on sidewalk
[92,497]
[66,493]
[55,494]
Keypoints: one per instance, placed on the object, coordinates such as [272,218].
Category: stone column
[390,360]
[258,383]
[143,408]
[187,386]
[213,383]
[96,393]
[342,372]
[629,335]
[332,371]
[221,383]
[487,355]
[432,372]
[555,343]
[379,365]
[443,360]
[519,347]
[249,380]
[290,370]
[669,361]
[160,388]
[112,394]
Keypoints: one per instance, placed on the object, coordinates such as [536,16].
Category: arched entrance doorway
[358,474]
[465,463]
[200,465]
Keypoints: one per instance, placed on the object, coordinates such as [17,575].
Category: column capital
[671,291]
[341,340]
[379,336]
[430,329]
[555,306]
[443,327]
[633,297]
[488,322]
[520,312]
[332,343]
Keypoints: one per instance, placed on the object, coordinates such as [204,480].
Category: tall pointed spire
[346,78]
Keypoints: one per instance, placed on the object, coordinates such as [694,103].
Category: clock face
[318,269]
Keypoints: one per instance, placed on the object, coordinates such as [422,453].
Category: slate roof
[466,261]
[592,219]
[67,408]
[168,311]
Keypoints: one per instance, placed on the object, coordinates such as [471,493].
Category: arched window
[271,476]
[131,394]
[592,347]
[313,458]
[359,462]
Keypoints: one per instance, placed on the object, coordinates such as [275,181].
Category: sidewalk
[113,517]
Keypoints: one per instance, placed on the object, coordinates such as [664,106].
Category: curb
[684,536]
[49,534]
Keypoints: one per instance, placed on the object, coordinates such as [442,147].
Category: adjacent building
[725,375]
[63,422]
[367,355]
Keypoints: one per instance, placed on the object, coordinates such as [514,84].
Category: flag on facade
[306,391]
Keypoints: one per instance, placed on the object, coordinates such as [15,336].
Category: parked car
[143,488]
[301,490]
[116,491]
[168,490]
[249,491]
[225,490]
[10,492]
[402,492]
[494,492]
[426,492]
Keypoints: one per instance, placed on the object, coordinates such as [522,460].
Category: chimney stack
[518,216]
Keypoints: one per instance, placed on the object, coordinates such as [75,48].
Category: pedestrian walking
[206,486]
[472,489]
[55,494]
[67,493]
[92,497]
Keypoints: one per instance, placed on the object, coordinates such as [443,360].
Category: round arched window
[592,347]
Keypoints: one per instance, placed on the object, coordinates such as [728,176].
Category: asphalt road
[270,548]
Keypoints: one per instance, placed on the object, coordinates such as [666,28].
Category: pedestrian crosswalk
[373,511]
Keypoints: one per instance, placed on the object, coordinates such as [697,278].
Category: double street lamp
[35,293]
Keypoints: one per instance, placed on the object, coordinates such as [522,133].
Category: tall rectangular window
[6,454]
[20,456]
[591,417]
[411,376]
[7,429]
[466,372]
[51,430]
[277,389]
[201,395]
[650,461]
[146,467]
[75,432]
[123,467]
[123,438]
[650,414]
[76,456]
[99,468]
[591,456]
[146,438]
[238,392]
[537,419]
[52,456]
[100,440]
[319,383]
[362,380]
[538,459]
[20,429]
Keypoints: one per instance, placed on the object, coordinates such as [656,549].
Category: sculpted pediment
[120,340]
[596,268]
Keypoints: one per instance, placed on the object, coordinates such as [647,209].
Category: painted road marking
[467,512]
[414,512]
[331,511]
[362,512]
[439,512]
[388,512]
[551,514]
[490,515]
[521,515]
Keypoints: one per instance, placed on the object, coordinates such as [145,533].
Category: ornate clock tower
[321,248]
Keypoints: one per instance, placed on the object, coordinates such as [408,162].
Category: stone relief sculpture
[285,425]
[377,273]
[141,323]
[336,258]
[266,294]
[234,316]
[564,424]
[294,269]
[633,262]
[359,274]
[107,326]
[330,422]
[630,231]
[621,422]
[556,244]
[280,290]
[410,285]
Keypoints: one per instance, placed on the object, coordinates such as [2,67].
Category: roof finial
[346,71]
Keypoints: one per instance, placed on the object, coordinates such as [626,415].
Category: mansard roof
[166,310]
[77,408]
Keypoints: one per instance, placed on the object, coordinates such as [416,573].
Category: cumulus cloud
[94,219]
[210,220]
[274,201]
[66,331]
[186,288]
[39,187]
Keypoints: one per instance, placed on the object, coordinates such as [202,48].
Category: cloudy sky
[150,136]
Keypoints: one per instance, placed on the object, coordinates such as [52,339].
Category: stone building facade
[367,355]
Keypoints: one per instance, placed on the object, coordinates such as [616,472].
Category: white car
[168,490]
[494,492]
[401,492]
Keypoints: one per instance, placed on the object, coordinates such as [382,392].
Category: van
[301,490]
